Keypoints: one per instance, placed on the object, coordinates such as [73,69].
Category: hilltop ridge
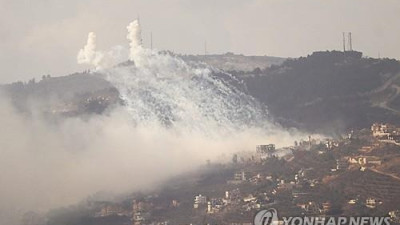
[327,91]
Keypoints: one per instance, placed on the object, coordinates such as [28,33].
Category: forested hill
[329,91]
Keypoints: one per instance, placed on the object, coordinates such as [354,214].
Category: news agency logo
[266,217]
[270,217]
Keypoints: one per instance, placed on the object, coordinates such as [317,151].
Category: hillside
[83,93]
[71,95]
[324,92]
[327,91]
[307,182]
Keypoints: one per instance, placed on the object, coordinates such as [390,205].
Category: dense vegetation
[325,90]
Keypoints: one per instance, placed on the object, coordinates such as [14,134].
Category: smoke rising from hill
[175,116]
[135,38]
[89,54]
[100,59]
[46,164]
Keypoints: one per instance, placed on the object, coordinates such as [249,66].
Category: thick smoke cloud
[100,59]
[45,164]
[89,54]
[135,38]
[175,116]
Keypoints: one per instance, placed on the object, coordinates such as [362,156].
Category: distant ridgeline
[73,95]
[329,91]
[234,62]
[337,55]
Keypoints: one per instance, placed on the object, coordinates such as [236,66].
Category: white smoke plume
[175,116]
[45,165]
[88,54]
[100,59]
[135,36]
[135,43]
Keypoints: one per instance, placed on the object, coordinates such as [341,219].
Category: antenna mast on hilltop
[350,42]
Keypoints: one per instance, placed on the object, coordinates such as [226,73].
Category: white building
[199,200]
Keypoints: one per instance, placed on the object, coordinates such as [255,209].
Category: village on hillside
[354,175]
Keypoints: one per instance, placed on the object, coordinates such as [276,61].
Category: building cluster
[395,216]
[301,181]
[265,151]
[199,200]
[238,178]
[232,200]
[112,209]
[385,131]
[139,212]
[315,208]
[362,162]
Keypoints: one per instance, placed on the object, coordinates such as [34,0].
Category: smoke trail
[186,98]
[88,54]
[175,116]
[135,38]
[100,59]
[161,89]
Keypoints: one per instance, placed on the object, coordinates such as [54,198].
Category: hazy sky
[43,36]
